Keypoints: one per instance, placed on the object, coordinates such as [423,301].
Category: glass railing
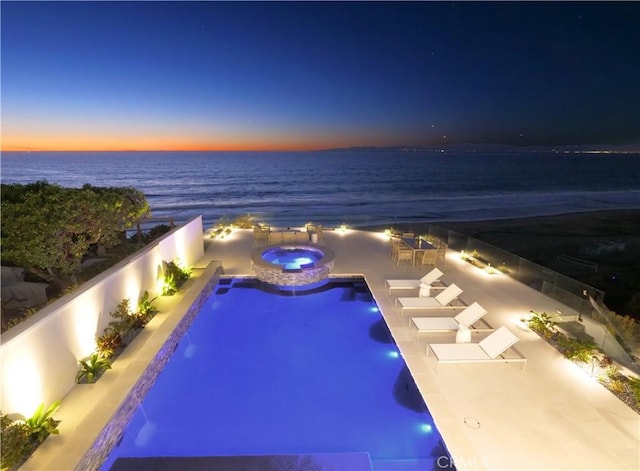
[597,320]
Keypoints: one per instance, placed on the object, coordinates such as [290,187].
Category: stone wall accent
[303,276]
[274,274]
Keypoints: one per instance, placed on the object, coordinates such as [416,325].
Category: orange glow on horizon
[177,147]
[117,144]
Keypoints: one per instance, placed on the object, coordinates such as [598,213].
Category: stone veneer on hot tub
[277,275]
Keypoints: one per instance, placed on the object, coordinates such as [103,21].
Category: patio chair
[441,301]
[429,257]
[467,318]
[428,279]
[489,350]
[442,251]
[393,244]
[403,254]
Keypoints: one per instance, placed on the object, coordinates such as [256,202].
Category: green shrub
[19,439]
[612,372]
[577,349]
[174,277]
[17,443]
[542,324]
[41,424]
[617,385]
[109,343]
[634,384]
[125,325]
[146,307]
[124,319]
[245,221]
[92,367]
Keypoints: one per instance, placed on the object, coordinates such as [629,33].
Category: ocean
[357,188]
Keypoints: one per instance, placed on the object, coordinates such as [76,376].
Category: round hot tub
[292,264]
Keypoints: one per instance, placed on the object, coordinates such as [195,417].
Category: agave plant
[92,367]
[41,423]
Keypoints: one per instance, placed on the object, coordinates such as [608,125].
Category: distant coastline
[499,148]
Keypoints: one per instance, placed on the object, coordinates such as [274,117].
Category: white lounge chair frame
[441,301]
[467,318]
[489,350]
[431,277]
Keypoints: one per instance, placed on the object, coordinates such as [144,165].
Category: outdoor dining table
[418,247]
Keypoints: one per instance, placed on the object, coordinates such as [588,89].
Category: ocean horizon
[363,188]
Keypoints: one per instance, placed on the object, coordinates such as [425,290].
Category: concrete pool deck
[551,416]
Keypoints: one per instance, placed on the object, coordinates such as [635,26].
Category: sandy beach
[610,239]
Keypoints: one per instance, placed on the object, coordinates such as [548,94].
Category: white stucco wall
[39,357]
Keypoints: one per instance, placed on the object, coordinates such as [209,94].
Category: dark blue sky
[305,75]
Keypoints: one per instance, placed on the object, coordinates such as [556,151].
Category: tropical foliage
[20,438]
[542,324]
[145,305]
[586,354]
[92,367]
[175,276]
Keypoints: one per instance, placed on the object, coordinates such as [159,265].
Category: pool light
[426,428]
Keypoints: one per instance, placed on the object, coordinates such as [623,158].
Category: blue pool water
[264,372]
[292,257]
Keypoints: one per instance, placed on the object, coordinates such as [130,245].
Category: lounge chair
[431,277]
[467,318]
[441,301]
[489,350]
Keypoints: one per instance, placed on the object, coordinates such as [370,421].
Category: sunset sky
[303,75]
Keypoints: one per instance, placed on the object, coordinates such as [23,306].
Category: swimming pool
[268,372]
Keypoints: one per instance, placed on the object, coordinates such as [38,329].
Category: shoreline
[608,238]
[469,223]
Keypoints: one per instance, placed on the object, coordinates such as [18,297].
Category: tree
[47,229]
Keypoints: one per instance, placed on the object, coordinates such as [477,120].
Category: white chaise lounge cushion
[470,315]
[427,279]
[498,342]
[448,294]
[431,277]
[458,351]
[466,318]
[435,324]
[486,350]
